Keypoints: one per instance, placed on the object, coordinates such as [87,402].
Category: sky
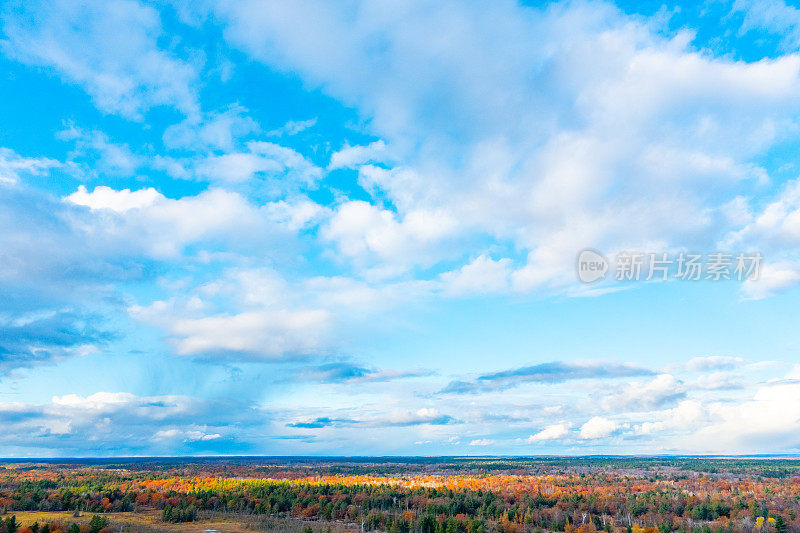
[353,228]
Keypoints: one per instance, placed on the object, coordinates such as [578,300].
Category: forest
[430,495]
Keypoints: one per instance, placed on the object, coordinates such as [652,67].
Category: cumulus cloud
[73,250]
[637,396]
[598,427]
[623,99]
[484,275]
[258,333]
[524,137]
[685,417]
[259,313]
[551,432]
[147,222]
[774,231]
[774,278]
[118,201]
[380,243]
[767,421]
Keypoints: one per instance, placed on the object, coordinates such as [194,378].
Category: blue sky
[352,227]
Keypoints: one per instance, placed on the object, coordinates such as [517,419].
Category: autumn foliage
[470,496]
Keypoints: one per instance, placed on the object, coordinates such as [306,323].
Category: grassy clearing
[150,521]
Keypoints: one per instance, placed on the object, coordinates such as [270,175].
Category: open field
[150,520]
[129,521]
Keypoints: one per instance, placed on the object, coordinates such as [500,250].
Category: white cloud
[217,131]
[773,16]
[254,313]
[236,167]
[598,427]
[637,396]
[147,222]
[262,159]
[185,435]
[713,362]
[268,334]
[683,418]
[481,442]
[293,127]
[778,224]
[773,278]
[110,47]
[99,401]
[118,201]
[774,232]
[292,162]
[373,237]
[580,129]
[13,166]
[718,381]
[354,156]
[426,415]
[106,157]
[482,276]
[551,432]
[769,421]
[298,213]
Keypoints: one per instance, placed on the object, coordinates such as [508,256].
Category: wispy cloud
[420,417]
[293,127]
[345,372]
[108,47]
[321,422]
[555,372]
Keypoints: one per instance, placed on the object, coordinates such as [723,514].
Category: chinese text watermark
[684,266]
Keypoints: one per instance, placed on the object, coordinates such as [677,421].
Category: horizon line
[788,456]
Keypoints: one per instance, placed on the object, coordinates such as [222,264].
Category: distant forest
[430,495]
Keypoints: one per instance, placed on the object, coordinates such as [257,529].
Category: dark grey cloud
[554,372]
[27,341]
